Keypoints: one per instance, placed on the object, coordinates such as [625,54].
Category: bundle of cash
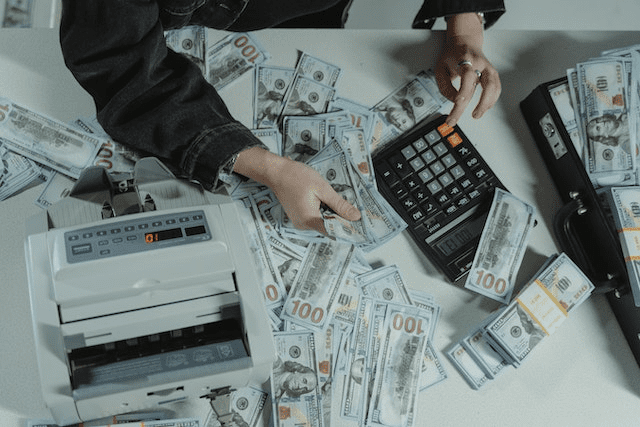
[508,335]
[605,95]
[502,246]
[625,207]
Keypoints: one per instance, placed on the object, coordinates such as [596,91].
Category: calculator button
[445,179]
[408,152]
[412,184]
[463,151]
[472,162]
[474,194]
[481,174]
[417,215]
[400,166]
[463,201]
[432,137]
[417,164]
[399,191]
[429,156]
[454,191]
[437,168]
[429,207]
[440,149]
[457,172]
[420,195]
[425,175]
[434,187]
[420,145]
[466,183]
[443,199]
[408,203]
[387,174]
[448,160]
[451,209]
[454,139]
[445,129]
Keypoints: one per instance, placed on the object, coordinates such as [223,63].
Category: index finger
[468,82]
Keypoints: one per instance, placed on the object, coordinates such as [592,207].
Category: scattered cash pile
[358,339]
[508,335]
[369,362]
[605,126]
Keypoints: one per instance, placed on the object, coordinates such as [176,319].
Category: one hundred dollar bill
[502,246]
[318,70]
[467,366]
[607,118]
[17,172]
[270,88]
[191,41]
[314,294]
[540,307]
[295,390]
[307,97]
[385,283]
[46,140]
[401,111]
[625,205]
[231,57]
[395,388]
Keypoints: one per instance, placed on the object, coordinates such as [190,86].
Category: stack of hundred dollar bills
[604,94]
[508,335]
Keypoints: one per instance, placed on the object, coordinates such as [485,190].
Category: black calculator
[440,185]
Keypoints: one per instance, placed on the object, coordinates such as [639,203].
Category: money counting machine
[143,292]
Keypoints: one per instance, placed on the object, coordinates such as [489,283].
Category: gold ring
[464,62]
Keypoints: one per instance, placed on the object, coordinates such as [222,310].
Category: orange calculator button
[454,139]
[445,129]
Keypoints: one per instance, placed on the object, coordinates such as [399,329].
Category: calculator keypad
[432,176]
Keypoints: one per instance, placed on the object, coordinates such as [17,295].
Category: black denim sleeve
[146,95]
[432,9]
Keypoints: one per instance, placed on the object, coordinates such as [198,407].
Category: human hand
[299,188]
[462,58]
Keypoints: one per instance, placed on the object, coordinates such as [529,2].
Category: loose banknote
[502,246]
[402,110]
[625,205]
[539,308]
[314,294]
[46,140]
[607,117]
[17,172]
[233,56]
[190,41]
[306,97]
[317,69]
[295,385]
[270,87]
[393,396]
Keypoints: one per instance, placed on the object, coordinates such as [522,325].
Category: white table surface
[583,375]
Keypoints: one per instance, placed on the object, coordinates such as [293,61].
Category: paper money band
[542,307]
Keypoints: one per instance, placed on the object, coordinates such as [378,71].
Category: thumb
[340,206]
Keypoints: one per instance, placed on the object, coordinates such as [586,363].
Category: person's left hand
[462,58]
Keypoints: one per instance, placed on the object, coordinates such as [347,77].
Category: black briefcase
[582,226]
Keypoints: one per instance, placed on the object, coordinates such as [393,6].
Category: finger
[443,79]
[491,89]
[468,82]
[315,223]
[339,205]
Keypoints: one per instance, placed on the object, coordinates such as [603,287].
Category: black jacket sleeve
[146,95]
[432,9]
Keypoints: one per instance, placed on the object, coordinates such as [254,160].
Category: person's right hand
[462,58]
[299,188]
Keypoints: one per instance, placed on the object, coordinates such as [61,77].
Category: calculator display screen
[460,236]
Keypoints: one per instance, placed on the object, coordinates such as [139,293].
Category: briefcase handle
[571,244]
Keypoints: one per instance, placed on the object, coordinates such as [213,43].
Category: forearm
[147,96]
